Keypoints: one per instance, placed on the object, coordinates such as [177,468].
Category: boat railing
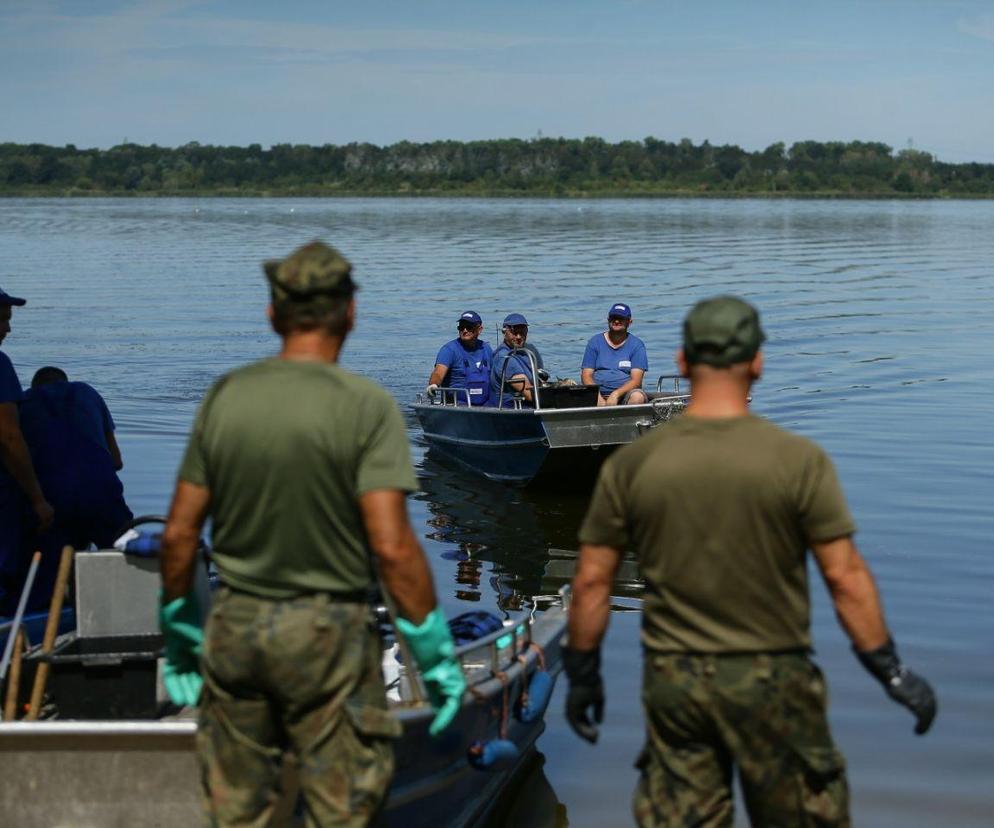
[446,396]
[676,383]
[534,372]
[490,655]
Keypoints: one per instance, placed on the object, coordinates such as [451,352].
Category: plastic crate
[110,677]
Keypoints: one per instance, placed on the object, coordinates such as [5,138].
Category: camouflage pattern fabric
[299,675]
[761,714]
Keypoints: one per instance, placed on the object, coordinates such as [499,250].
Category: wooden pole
[14,680]
[51,630]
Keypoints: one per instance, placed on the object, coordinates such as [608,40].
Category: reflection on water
[521,540]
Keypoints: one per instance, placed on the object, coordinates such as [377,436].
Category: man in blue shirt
[518,371]
[70,434]
[464,362]
[22,502]
[616,361]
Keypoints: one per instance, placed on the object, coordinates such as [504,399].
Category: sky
[95,73]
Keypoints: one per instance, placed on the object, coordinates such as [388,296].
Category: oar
[51,630]
[22,605]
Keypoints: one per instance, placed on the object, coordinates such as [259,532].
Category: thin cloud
[979,27]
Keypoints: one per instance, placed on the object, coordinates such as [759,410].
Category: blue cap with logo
[471,316]
[513,319]
[7,299]
[620,309]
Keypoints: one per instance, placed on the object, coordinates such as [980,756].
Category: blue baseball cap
[620,309]
[471,316]
[515,319]
[7,299]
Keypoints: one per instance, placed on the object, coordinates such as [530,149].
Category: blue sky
[329,71]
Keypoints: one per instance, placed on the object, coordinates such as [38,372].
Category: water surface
[880,318]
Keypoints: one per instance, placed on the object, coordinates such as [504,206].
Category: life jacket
[478,377]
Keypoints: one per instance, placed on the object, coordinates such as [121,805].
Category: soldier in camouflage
[305,469]
[721,507]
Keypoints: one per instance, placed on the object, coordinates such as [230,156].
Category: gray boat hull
[554,447]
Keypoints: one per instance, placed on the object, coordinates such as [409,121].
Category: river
[880,317]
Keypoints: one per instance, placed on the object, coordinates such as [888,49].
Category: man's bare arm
[587,376]
[181,537]
[16,458]
[438,374]
[854,592]
[402,563]
[590,605]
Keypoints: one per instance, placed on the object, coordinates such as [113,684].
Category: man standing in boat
[464,362]
[516,369]
[304,469]
[615,361]
[721,507]
[22,501]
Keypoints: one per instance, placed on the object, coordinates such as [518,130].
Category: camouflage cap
[722,331]
[312,272]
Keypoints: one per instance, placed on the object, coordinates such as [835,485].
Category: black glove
[586,690]
[901,684]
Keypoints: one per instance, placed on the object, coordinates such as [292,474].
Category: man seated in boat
[464,362]
[70,434]
[615,361]
[516,369]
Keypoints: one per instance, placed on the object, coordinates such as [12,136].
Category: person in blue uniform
[517,375]
[464,362]
[70,434]
[615,360]
[23,505]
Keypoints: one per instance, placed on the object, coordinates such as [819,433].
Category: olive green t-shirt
[286,448]
[721,514]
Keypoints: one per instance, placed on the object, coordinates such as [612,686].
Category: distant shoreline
[498,195]
[566,168]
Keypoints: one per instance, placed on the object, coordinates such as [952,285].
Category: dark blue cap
[471,316]
[7,299]
[620,309]
[515,319]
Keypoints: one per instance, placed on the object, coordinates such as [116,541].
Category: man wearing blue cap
[514,368]
[20,493]
[464,362]
[615,360]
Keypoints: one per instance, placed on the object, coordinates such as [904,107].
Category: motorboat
[558,441]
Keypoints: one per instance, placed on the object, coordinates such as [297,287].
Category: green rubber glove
[183,632]
[433,649]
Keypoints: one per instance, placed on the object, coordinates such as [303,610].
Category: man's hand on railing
[432,389]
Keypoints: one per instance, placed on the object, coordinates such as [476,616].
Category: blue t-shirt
[469,369]
[516,364]
[10,392]
[10,385]
[73,406]
[613,366]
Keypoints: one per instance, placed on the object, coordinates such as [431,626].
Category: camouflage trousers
[762,715]
[302,677]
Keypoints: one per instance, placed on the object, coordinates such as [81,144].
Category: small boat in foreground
[100,772]
[561,442]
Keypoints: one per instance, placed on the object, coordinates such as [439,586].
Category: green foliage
[543,166]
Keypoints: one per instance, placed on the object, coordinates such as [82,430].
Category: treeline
[543,166]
